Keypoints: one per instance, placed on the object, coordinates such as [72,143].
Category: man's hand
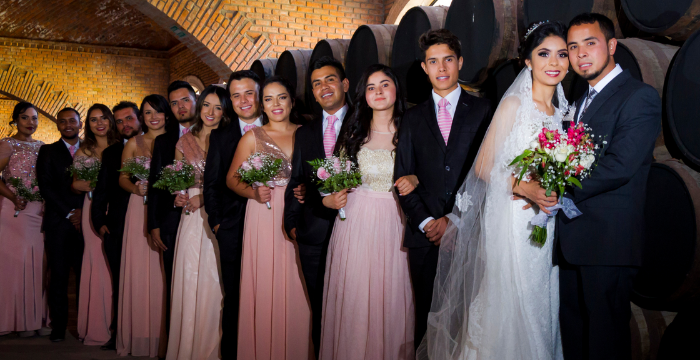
[293,234]
[435,229]
[536,194]
[336,200]
[300,193]
[157,242]
[103,230]
[76,218]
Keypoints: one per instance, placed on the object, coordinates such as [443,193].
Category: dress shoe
[26,334]
[57,336]
[109,345]
[44,331]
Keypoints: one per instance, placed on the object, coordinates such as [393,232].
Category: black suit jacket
[224,207]
[161,213]
[627,113]
[313,221]
[55,183]
[108,194]
[440,168]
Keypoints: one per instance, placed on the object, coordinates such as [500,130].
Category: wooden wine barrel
[564,11]
[406,56]
[370,44]
[670,273]
[335,48]
[264,68]
[682,103]
[647,327]
[293,64]
[487,31]
[499,80]
[647,61]
[677,19]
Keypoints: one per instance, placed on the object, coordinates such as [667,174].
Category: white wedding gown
[496,293]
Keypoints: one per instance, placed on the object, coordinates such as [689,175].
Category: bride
[496,293]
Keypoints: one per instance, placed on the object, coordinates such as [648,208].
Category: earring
[529,68]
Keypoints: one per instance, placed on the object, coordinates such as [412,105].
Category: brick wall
[184,62]
[46,131]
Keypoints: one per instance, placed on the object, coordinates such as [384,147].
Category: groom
[438,142]
[599,252]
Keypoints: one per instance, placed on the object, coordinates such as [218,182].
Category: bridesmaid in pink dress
[141,327]
[368,299]
[197,296]
[95,303]
[22,307]
[275,317]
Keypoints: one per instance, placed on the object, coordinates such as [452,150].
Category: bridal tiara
[533,27]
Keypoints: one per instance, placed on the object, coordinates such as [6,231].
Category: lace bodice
[377,167]
[22,156]
[265,144]
[194,155]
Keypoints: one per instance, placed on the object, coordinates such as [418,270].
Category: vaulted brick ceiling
[94,22]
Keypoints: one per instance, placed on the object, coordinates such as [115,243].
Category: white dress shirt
[340,114]
[452,98]
[182,128]
[242,124]
[617,70]
[77,145]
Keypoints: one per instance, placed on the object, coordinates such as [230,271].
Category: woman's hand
[262,194]
[535,194]
[20,203]
[336,200]
[82,185]
[181,199]
[406,184]
[141,188]
[194,203]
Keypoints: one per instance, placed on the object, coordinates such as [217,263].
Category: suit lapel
[65,153]
[431,119]
[604,95]
[458,121]
[317,127]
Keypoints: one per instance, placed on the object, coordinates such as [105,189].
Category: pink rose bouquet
[259,170]
[176,178]
[25,189]
[139,167]
[87,169]
[334,174]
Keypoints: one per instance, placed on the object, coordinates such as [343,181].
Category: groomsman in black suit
[108,195]
[62,217]
[163,218]
[225,208]
[438,142]
[600,252]
[311,223]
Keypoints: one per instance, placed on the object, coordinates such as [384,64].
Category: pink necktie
[185,130]
[444,120]
[329,136]
[72,149]
[249,127]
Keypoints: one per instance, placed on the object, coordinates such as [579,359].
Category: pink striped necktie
[72,149]
[329,136]
[444,119]
[249,127]
[185,130]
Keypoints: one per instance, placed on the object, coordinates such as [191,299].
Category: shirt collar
[617,70]
[69,145]
[452,97]
[340,114]
[257,122]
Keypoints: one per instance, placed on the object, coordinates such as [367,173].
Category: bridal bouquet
[557,160]
[334,174]
[259,170]
[87,169]
[25,189]
[176,178]
[139,167]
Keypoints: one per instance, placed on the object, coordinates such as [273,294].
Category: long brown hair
[226,107]
[90,141]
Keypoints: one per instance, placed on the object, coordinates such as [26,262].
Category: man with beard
[62,217]
[163,218]
[108,195]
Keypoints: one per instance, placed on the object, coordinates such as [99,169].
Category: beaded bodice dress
[265,144]
[194,155]
[377,168]
[22,156]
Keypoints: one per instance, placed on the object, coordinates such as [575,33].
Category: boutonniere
[570,113]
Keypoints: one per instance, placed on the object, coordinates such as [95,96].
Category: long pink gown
[22,307]
[141,326]
[95,303]
[197,295]
[275,316]
[367,298]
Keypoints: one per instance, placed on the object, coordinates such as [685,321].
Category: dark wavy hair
[536,38]
[438,37]
[606,25]
[21,107]
[293,116]
[359,126]
[89,142]
[161,105]
[226,107]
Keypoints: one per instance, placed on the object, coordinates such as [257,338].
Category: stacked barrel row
[664,53]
